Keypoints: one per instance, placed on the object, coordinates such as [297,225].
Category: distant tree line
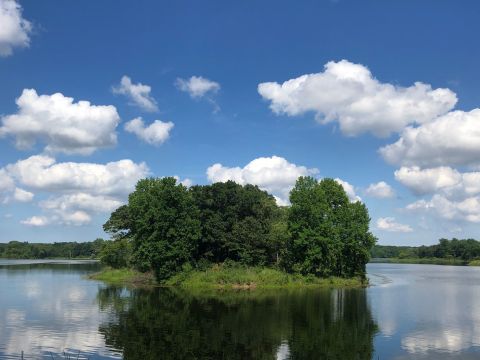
[166,227]
[463,249]
[67,250]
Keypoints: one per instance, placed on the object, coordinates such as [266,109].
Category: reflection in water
[49,308]
[423,312]
[172,324]
[427,312]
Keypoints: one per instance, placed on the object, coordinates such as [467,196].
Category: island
[232,236]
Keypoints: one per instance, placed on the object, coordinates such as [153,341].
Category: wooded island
[233,234]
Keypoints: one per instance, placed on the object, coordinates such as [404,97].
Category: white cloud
[14,29]
[443,180]
[36,221]
[139,94]
[456,196]
[43,173]
[423,181]
[380,190]
[465,210]
[78,190]
[197,86]
[348,93]
[156,133]
[452,139]
[76,209]
[64,126]
[6,181]
[22,195]
[185,182]
[389,224]
[273,174]
[349,189]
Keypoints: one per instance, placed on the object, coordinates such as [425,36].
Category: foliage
[463,251]
[172,228]
[235,223]
[116,254]
[64,250]
[329,235]
[124,276]
[241,277]
[431,261]
[163,225]
[161,323]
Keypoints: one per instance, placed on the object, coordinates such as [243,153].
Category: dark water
[411,312]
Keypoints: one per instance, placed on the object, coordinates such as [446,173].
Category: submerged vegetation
[229,235]
[446,252]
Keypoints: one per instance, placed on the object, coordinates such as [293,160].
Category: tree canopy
[169,227]
[329,234]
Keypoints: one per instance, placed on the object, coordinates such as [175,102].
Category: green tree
[116,253]
[236,223]
[329,235]
[163,225]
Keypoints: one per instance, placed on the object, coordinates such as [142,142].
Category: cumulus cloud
[76,209]
[64,126]
[138,94]
[465,210]
[452,139]
[349,189]
[77,190]
[273,174]
[185,182]
[36,221]
[6,181]
[22,195]
[389,224]
[349,94]
[380,190]
[155,134]
[197,86]
[423,181]
[456,195]
[42,172]
[445,180]
[14,29]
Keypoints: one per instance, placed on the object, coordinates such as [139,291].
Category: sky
[382,96]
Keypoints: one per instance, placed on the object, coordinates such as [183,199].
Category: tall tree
[329,235]
[164,226]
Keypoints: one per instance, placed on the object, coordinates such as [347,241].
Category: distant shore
[432,261]
[226,278]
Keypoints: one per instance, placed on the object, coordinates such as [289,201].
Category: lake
[409,312]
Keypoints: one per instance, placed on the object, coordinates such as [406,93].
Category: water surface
[410,312]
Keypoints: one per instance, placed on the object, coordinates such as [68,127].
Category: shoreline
[226,278]
[425,261]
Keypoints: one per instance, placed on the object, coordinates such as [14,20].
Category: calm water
[411,312]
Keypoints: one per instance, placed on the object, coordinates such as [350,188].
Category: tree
[163,226]
[118,225]
[116,253]
[236,222]
[329,235]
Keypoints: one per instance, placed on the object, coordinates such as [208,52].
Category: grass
[228,277]
[124,276]
[246,278]
[433,261]
[474,263]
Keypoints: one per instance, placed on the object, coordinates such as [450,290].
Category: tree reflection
[173,324]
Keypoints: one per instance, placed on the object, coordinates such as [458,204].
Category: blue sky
[211,78]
